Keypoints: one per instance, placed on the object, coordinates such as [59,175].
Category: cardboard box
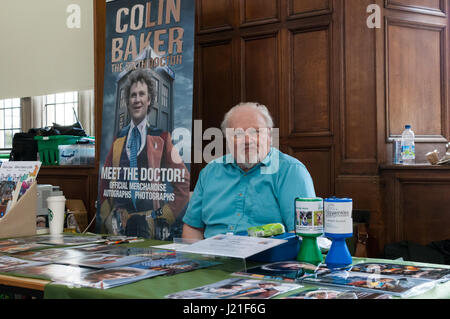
[21,219]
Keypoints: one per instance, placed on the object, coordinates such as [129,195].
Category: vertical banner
[144,172]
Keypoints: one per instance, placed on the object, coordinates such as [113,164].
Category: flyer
[231,246]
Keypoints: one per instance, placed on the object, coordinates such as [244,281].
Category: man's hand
[192,232]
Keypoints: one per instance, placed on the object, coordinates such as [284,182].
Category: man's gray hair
[254,105]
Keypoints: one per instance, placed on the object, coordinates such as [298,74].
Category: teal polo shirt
[227,199]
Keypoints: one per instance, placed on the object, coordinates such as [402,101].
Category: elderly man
[139,146]
[255,184]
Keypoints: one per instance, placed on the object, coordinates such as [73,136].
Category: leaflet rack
[21,219]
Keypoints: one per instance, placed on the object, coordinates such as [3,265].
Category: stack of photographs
[74,276]
[21,247]
[429,273]
[100,260]
[378,278]
[8,263]
[68,240]
[237,288]
[289,271]
[335,293]
[172,266]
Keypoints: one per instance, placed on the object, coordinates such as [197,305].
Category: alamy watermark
[246,147]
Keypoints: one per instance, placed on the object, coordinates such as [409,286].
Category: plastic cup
[56,206]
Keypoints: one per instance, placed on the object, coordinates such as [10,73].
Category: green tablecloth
[160,286]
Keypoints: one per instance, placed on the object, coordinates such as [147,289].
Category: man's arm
[190,232]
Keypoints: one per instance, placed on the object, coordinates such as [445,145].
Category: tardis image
[161,114]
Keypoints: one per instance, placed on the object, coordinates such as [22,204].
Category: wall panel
[259,12]
[304,8]
[432,7]
[214,15]
[318,162]
[311,82]
[415,69]
[260,70]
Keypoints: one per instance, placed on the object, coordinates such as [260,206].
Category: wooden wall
[338,91]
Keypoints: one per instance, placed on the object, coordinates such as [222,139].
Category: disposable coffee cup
[56,206]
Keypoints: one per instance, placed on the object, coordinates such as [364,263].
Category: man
[254,185]
[141,147]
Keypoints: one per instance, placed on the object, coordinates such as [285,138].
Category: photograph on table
[100,260]
[283,270]
[8,263]
[113,277]
[237,288]
[69,275]
[424,272]
[335,293]
[8,242]
[69,240]
[21,247]
[172,266]
[396,285]
[48,255]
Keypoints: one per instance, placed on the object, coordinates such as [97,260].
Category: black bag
[74,129]
[24,147]
[411,251]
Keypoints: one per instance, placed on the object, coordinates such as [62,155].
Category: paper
[231,246]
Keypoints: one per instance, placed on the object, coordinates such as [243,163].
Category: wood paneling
[318,163]
[303,8]
[259,12]
[214,15]
[311,82]
[416,203]
[359,108]
[424,219]
[216,73]
[433,7]
[414,69]
[76,182]
[261,71]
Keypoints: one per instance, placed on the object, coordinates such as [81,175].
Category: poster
[144,171]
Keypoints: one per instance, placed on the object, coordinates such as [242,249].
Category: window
[60,108]
[165,96]
[10,121]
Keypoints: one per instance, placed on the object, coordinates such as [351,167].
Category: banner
[148,83]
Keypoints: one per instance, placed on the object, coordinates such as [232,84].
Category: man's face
[250,142]
[139,101]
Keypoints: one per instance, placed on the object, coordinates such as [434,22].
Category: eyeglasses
[250,132]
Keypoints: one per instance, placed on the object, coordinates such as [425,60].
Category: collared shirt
[142,127]
[227,199]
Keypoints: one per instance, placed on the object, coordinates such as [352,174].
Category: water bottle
[408,148]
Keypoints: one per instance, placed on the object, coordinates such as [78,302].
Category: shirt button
[239,214]
[231,227]
[240,194]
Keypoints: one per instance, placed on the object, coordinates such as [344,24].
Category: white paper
[231,246]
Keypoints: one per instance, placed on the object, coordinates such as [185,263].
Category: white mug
[56,207]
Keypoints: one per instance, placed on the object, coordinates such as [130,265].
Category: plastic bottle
[408,148]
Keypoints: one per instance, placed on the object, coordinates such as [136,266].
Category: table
[160,286]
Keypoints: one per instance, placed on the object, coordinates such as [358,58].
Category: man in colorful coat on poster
[139,146]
